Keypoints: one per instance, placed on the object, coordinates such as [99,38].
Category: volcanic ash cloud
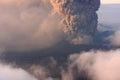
[80,18]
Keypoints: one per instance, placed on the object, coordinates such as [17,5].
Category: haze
[110,1]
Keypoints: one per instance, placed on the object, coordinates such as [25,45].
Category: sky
[103,1]
[110,1]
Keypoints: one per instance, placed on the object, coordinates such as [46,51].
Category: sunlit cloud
[7,72]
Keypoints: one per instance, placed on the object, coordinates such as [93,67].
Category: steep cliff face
[80,18]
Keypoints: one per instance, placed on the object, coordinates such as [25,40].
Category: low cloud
[96,65]
[7,72]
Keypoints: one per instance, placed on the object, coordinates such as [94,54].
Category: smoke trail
[80,18]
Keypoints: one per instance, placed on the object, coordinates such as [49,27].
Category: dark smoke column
[80,18]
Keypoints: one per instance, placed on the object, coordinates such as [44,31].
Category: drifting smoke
[39,72]
[80,18]
[115,39]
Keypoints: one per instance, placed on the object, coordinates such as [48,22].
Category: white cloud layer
[99,65]
[7,72]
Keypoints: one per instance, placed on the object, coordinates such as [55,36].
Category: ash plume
[28,25]
[80,18]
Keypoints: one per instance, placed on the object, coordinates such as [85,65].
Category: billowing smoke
[32,24]
[80,18]
[28,25]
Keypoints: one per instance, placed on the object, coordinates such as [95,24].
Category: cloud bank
[94,65]
[7,72]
